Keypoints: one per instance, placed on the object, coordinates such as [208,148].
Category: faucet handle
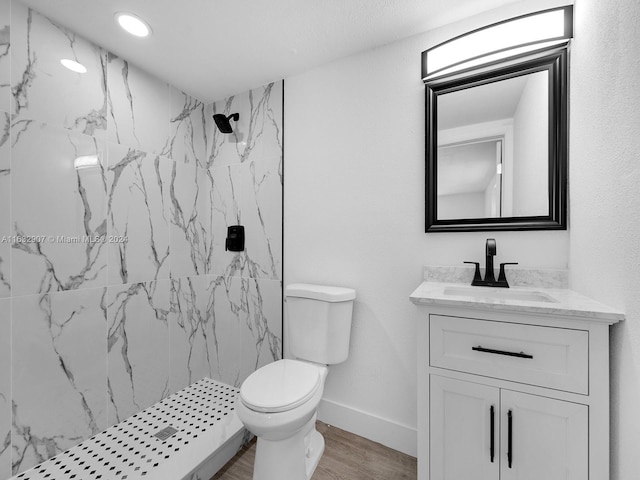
[502,276]
[477,278]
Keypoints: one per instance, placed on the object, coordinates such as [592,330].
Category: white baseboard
[378,429]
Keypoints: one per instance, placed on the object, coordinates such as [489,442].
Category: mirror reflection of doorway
[470,179]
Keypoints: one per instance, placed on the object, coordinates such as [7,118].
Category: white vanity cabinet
[488,433]
[511,393]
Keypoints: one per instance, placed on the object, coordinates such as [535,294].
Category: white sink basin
[493,294]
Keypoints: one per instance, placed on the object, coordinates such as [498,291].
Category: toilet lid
[280,386]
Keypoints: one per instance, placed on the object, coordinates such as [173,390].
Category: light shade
[133,24]
[499,41]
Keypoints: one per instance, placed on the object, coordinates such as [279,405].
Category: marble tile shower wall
[92,332]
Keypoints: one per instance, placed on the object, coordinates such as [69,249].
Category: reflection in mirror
[469,179]
[492,159]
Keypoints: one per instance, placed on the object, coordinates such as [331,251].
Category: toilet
[278,402]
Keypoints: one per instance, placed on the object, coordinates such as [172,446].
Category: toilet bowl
[278,403]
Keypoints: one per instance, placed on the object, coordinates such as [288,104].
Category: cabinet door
[463,419]
[542,438]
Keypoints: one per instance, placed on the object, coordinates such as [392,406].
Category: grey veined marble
[5,388]
[56,210]
[42,88]
[138,206]
[139,108]
[5,60]
[138,347]
[92,332]
[166,335]
[5,202]
[189,126]
[516,276]
[241,183]
[225,328]
[258,132]
[58,373]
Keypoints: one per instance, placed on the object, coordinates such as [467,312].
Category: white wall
[354,216]
[462,205]
[605,196]
[492,196]
[530,157]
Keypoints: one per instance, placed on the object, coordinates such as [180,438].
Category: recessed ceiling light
[73,65]
[133,24]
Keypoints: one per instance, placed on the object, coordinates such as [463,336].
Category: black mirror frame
[555,61]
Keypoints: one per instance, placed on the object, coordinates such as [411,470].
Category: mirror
[496,147]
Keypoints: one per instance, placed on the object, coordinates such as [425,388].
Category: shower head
[223,123]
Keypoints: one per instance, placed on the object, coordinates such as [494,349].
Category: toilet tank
[319,322]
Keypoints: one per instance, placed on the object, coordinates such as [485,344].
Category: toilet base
[293,458]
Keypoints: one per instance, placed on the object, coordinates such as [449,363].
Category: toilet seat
[280,386]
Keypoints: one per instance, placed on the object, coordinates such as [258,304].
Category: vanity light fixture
[133,24]
[503,40]
[85,161]
[73,65]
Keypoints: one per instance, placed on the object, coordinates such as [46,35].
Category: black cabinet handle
[493,432]
[510,437]
[501,352]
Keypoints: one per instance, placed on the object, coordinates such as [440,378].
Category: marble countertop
[560,301]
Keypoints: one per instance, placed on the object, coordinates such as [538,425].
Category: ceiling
[484,103]
[215,48]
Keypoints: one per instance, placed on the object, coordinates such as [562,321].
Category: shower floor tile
[169,440]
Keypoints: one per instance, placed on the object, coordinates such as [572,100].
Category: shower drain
[165,433]
[135,447]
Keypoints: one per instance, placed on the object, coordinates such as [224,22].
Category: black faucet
[489,275]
